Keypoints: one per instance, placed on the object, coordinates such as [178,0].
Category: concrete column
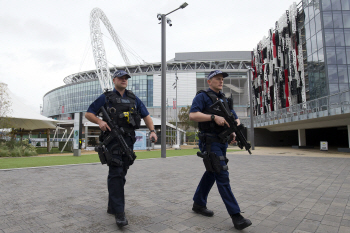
[349,135]
[86,136]
[185,139]
[302,137]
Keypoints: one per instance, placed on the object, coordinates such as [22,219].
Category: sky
[42,42]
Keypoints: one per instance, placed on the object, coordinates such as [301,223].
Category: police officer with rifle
[121,112]
[218,125]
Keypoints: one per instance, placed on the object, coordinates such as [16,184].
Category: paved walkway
[279,189]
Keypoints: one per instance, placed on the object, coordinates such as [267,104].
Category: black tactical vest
[211,126]
[123,111]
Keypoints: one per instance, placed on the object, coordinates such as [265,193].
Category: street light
[250,70]
[163,19]
[177,146]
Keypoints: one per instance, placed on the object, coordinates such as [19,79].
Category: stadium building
[299,81]
[191,69]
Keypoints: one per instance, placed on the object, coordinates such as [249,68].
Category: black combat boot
[121,220]
[240,222]
[202,210]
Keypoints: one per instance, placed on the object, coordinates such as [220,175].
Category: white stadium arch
[98,49]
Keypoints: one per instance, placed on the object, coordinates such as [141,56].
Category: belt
[212,137]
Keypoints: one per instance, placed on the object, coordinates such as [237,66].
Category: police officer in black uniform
[210,125]
[126,110]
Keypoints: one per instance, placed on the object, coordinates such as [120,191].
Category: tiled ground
[278,193]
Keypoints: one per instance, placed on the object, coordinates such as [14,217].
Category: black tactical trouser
[116,181]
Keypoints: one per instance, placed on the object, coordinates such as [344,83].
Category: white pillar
[302,137]
[185,139]
[86,136]
[349,135]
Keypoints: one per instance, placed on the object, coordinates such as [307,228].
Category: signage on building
[324,145]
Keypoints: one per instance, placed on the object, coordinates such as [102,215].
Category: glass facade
[336,23]
[315,71]
[71,98]
[77,97]
[142,86]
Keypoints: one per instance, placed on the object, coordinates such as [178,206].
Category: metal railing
[335,104]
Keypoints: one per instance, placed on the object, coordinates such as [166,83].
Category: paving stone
[308,225]
[278,194]
[327,229]
[12,229]
[283,229]
[344,229]
[314,217]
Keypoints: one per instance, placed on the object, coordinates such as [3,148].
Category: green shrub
[4,152]
[16,152]
[17,149]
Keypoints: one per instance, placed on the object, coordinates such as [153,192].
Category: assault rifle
[116,133]
[218,107]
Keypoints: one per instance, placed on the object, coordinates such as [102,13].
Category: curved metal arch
[99,50]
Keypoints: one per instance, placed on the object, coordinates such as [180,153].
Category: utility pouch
[128,160]
[206,161]
[215,162]
[101,155]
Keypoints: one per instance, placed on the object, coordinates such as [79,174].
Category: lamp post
[176,133]
[163,19]
[250,70]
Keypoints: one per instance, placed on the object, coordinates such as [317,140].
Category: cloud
[31,30]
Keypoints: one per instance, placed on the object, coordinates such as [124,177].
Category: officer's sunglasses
[123,78]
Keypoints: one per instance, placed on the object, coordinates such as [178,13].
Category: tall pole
[251,109]
[165,20]
[176,107]
[163,105]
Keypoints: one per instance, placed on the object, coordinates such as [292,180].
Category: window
[345,4]
[341,57]
[306,11]
[329,37]
[346,19]
[318,22]
[343,74]
[333,88]
[320,56]
[312,27]
[307,31]
[337,19]
[311,11]
[339,37]
[313,44]
[319,40]
[327,20]
[326,5]
[332,74]
[336,5]
[308,47]
[331,57]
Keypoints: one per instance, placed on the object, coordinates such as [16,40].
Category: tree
[5,106]
[184,118]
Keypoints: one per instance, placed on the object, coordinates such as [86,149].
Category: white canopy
[22,116]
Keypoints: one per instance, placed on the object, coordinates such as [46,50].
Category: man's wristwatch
[212,117]
[152,131]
